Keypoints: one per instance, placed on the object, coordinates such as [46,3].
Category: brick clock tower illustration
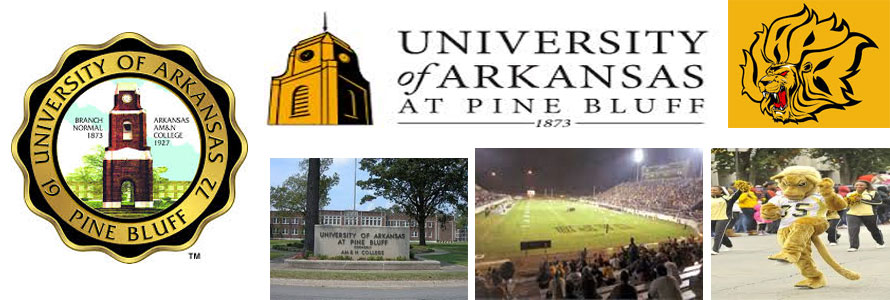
[128,160]
[322,85]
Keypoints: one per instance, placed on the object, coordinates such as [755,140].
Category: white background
[247,43]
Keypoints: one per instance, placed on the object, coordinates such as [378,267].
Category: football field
[498,236]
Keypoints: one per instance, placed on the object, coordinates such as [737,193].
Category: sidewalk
[369,284]
[746,273]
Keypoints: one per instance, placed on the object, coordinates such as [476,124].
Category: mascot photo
[801,210]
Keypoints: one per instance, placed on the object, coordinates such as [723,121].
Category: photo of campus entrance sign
[340,225]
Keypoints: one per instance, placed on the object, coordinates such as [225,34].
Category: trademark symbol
[194,255]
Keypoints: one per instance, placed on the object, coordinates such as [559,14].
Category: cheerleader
[861,214]
[721,210]
[833,219]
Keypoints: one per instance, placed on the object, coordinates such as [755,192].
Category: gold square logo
[819,64]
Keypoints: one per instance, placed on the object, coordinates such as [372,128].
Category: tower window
[354,114]
[300,102]
[128,131]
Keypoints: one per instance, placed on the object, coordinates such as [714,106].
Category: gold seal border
[202,71]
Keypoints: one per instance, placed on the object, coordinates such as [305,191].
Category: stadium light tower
[638,155]
[638,158]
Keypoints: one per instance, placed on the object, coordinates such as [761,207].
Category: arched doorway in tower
[128,193]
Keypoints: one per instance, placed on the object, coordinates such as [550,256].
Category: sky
[341,194]
[181,157]
[568,171]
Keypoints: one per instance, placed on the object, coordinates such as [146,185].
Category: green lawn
[457,252]
[280,242]
[279,253]
[275,254]
[368,275]
[498,236]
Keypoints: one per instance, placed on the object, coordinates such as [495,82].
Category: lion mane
[807,61]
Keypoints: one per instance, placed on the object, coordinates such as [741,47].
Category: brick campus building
[290,225]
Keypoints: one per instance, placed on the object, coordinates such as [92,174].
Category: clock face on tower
[127,98]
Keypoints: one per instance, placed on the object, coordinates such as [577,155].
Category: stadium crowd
[600,276]
[675,196]
[484,197]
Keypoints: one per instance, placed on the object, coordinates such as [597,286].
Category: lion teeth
[774,95]
[764,94]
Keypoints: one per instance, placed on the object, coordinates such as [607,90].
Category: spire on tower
[325,24]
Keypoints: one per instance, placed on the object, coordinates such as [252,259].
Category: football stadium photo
[588,224]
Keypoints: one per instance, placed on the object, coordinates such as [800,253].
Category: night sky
[568,171]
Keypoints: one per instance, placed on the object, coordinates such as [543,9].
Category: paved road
[745,273]
[282,292]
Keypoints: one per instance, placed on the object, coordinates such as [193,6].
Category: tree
[312,196]
[158,178]
[460,218]
[290,195]
[755,164]
[420,186]
[853,163]
[392,210]
[90,171]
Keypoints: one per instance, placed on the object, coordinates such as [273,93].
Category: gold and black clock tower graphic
[322,86]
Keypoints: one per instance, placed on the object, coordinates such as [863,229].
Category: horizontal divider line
[467,123]
[641,123]
[532,123]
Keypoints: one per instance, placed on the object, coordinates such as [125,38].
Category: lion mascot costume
[801,209]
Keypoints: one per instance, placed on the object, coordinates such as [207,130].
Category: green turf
[368,275]
[498,236]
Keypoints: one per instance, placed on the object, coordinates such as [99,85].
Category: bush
[290,247]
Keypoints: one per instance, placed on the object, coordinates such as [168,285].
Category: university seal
[129,147]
